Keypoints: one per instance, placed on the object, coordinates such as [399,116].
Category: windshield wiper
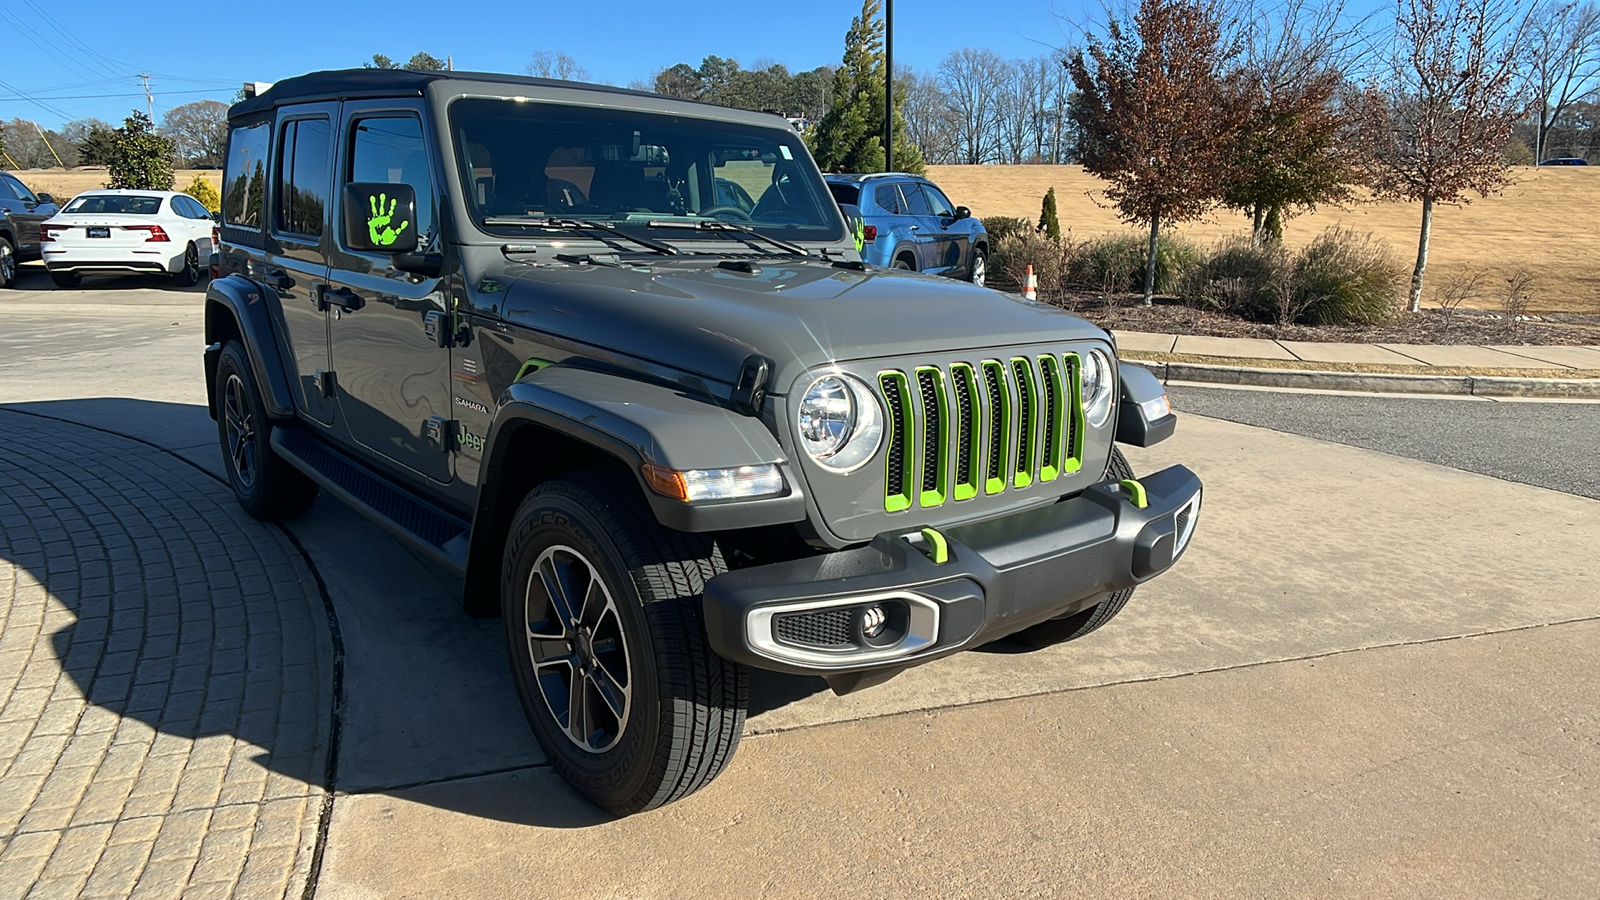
[548,222]
[723,225]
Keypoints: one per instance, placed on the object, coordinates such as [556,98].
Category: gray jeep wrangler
[616,360]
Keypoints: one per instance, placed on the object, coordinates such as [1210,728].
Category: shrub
[201,189]
[1237,277]
[1347,279]
[1116,263]
[1010,256]
[1000,226]
[1049,223]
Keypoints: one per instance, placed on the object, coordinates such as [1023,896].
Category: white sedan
[117,231]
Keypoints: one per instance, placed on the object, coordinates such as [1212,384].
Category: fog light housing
[873,618]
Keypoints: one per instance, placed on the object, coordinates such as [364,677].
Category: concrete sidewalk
[1502,370]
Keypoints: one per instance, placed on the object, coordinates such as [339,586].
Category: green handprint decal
[859,234]
[378,225]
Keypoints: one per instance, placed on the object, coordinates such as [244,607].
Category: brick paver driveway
[165,684]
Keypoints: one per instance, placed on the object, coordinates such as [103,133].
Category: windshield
[120,204]
[629,169]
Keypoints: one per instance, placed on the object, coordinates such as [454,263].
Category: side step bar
[437,534]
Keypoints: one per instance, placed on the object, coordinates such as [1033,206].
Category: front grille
[1004,424]
[821,628]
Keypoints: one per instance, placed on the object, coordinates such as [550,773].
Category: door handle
[342,297]
[916,228]
[280,279]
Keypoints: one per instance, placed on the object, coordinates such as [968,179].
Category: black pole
[888,85]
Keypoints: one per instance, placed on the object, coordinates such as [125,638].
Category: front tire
[8,263]
[264,484]
[1075,625]
[608,648]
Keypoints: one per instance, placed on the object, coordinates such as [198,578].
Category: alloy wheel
[240,427]
[980,269]
[8,263]
[575,641]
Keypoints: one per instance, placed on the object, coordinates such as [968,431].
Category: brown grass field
[1543,221]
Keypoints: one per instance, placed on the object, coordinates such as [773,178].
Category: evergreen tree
[141,159]
[850,136]
[1049,224]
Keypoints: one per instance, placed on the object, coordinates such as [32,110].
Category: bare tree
[199,132]
[1157,114]
[1562,54]
[973,80]
[931,122]
[1433,121]
[555,64]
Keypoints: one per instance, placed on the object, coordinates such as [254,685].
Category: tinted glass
[5,189]
[916,204]
[533,160]
[21,190]
[390,150]
[244,178]
[115,204]
[844,193]
[937,201]
[888,197]
[303,177]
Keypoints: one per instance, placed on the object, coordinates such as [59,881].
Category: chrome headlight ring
[1099,388]
[839,421]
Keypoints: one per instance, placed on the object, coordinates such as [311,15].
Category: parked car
[119,231]
[1565,161]
[666,434]
[21,212]
[908,223]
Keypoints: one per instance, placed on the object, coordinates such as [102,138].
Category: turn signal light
[713,484]
[47,233]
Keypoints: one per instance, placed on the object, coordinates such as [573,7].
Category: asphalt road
[1550,445]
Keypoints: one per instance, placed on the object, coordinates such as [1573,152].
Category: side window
[888,197]
[916,203]
[390,150]
[938,202]
[5,189]
[303,177]
[22,192]
[244,178]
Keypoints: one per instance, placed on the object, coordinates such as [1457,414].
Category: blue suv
[910,224]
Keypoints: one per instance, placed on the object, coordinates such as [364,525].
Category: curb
[1377,383]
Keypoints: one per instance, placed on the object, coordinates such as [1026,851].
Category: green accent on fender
[936,496]
[899,430]
[531,366]
[938,549]
[378,224]
[1136,494]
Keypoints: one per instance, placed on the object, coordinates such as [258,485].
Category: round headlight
[840,423]
[1098,388]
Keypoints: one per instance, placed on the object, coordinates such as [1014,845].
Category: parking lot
[1372,675]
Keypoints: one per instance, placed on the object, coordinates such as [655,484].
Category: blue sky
[81,59]
[69,56]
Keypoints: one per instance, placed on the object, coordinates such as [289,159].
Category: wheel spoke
[564,657]
[596,603]
[578,721]
[613,694]
[546,648]
[559,589]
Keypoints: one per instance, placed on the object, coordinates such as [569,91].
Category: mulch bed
[1430,326]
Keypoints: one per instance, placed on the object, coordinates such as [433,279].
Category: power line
[30,99]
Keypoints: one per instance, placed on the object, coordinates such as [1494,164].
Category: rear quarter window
[244,176]
[844,193]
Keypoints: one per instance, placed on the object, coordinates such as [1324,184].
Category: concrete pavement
[1204,744]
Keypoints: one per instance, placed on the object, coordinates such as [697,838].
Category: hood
[697,317]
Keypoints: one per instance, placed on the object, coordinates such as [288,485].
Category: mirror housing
[380,217]
[46,198]
[963,213]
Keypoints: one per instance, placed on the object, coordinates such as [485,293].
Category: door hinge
[436,325]
[325,382]
[441,431]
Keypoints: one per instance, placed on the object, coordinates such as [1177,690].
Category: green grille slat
[1050,444]
[1074,423]
[998,400]
[935,435]
[968,430]
[1027,422]
[898,465]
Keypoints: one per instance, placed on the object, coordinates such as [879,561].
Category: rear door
[905,230]
[394,377]
[296,252]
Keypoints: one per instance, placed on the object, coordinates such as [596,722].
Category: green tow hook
[1136,494]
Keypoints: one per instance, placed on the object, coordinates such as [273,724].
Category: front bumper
[811,615]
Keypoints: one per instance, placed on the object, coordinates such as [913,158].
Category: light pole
[888,85]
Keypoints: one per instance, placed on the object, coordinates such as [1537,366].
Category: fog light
[872,621]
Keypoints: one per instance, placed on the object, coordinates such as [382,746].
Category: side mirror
[46,198]
[963,213]
[380,217]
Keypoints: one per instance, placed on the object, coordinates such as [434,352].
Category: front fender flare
[245,302]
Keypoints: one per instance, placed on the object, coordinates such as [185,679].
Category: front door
[937,246]
[394,377]
[296,259]
[27,211]
[956,234]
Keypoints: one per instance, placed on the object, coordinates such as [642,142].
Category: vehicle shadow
[201,621]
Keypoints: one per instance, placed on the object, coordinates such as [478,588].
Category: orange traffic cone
[1030,285]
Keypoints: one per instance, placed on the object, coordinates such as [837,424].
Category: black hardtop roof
[344,84]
